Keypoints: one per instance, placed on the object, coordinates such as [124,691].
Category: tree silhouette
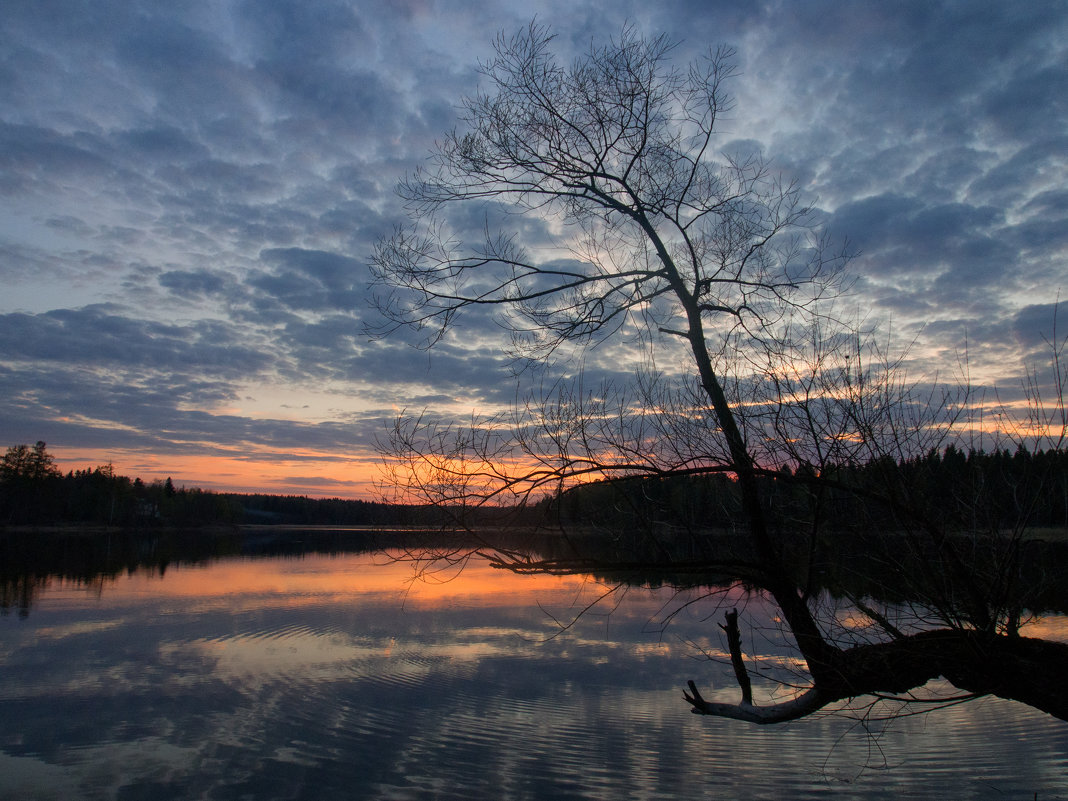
[27,476]
[23,463]
[649,236]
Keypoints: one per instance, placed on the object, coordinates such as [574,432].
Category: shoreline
[1036,534]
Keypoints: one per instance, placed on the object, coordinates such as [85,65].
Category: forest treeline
[33,491]
[953,489]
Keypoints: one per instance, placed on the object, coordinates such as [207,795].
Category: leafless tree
[654,233]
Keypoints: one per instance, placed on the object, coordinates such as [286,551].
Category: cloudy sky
[189,193]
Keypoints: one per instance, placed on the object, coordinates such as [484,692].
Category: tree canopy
[23,463]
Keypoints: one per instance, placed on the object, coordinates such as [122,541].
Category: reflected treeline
[884,567]
[845,565]
[32,560]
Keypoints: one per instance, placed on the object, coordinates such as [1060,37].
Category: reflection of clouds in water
[99,771]
[359,694]
[250,658]
[31,777]
[304,653]
[74,629]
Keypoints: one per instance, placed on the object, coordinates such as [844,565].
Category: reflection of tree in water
[32,561]
[20,592]
[868,636]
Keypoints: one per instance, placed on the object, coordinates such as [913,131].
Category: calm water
[323,677]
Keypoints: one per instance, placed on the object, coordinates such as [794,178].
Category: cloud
[1029,171]
[98,336]
[1037,326]
[189,192]
[192,282]
[331,270]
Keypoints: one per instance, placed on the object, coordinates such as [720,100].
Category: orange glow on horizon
[431,477]
[310,473]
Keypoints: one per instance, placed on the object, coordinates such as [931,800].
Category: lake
[312,675]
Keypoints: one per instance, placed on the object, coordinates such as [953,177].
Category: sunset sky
[189,193]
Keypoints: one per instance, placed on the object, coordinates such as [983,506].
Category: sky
[190,193]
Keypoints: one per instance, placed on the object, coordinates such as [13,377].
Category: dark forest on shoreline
[969,491]
[34,493]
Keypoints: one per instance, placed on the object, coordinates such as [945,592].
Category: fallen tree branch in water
[1016,668]
[805,704]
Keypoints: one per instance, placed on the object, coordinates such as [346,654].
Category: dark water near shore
[322,676]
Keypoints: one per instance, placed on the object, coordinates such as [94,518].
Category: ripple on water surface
[352,696]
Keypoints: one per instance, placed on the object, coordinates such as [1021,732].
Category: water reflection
[333,675]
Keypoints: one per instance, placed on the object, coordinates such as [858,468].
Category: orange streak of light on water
[314,578]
